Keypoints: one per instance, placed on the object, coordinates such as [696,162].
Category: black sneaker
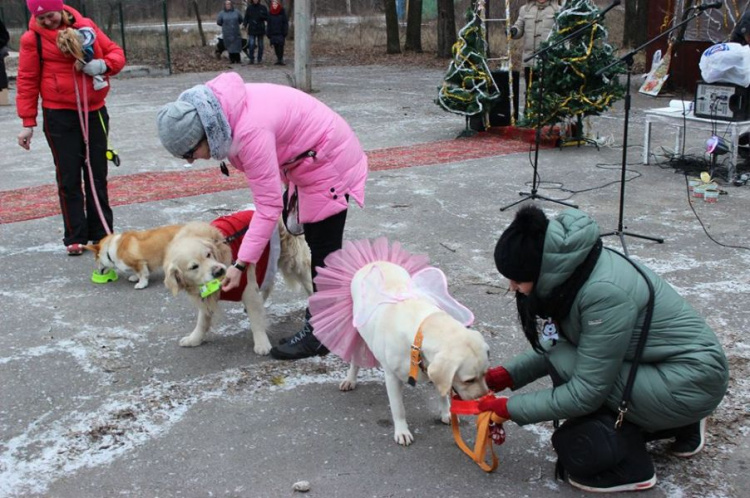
[689,440]
[634,473]
[610,482]
[303,344]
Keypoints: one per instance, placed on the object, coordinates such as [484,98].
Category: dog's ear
[223,251]
[442,370]
[173,279]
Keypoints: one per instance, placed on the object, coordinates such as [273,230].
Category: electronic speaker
[722,101]
[500,112]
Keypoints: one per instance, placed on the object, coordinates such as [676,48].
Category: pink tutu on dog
[331,306]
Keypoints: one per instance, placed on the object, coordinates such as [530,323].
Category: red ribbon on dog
[489,430]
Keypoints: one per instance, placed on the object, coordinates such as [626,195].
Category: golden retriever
[200,253]
[454,356]
[139,251]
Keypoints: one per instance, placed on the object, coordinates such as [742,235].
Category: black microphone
[712,5]
[610,7]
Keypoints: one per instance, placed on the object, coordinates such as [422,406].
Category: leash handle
[482,445]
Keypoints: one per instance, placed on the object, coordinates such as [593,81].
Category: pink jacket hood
[273,127]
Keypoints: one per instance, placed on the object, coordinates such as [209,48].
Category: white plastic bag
[726,63]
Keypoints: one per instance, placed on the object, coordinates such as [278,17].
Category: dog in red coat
[201,252]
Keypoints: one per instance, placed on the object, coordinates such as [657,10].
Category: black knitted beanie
[518,253]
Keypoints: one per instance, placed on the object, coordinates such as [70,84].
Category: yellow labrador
[454,356]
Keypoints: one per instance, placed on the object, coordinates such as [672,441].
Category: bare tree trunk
[200,24]
[414,27]
[393,44]
[446,28]
[636,23]
[290,16]
[110,18]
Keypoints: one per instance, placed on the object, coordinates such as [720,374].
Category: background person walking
[278,27]
[4,39]
[255,19]
[230,20]
[71,105]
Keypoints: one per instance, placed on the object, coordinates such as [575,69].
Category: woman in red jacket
[68,91]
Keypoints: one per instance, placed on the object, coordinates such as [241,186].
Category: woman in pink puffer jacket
[274,134]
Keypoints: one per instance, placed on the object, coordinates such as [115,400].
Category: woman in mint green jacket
[594,301]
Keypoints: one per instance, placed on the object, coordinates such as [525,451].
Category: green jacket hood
[568,240]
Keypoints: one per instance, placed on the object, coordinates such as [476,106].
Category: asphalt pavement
[98,399]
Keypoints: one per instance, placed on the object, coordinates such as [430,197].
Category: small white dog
[390,308]
[200,253]
[139,251]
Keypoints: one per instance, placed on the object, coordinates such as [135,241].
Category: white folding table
[680,119]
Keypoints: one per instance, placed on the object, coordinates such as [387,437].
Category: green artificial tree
[571,87]
[468,88]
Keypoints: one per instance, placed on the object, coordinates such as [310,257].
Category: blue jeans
[252,42]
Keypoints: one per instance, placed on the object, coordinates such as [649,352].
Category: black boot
[303,344]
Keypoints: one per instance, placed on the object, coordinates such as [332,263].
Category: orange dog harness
[487,422]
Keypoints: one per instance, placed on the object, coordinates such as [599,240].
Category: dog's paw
[347,385]
[445,418]
[142,284]
[133,278]
[189,342]
[262,349]
[404,438]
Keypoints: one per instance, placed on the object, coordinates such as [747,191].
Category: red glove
[497,405]
[498,379]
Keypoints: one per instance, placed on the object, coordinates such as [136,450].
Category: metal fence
[138,26]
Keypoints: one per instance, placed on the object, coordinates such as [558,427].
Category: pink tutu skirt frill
[331,305]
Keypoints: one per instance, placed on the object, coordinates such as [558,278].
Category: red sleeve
[112,53]
[28,79]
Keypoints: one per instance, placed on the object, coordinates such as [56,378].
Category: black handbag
[593,443]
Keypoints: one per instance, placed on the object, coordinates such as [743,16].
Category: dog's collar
[106,253]
[416,360]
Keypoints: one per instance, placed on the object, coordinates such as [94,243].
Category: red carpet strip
[37,202]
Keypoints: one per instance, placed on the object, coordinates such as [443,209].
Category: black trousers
[279,49]
[65,138]
[3,74]
[324,237]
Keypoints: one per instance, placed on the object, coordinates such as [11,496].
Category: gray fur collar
[215,123]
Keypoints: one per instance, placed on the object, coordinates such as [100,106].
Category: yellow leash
[483,443]
[112,154]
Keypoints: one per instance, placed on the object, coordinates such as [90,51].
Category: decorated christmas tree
[571,87]
[468,88]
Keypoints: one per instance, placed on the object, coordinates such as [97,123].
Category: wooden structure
[713,26]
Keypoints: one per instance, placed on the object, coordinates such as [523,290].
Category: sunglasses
[189,154]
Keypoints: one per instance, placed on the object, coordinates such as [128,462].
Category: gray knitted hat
[180,127]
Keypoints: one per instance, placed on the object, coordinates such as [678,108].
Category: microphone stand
[628,60]
[542,54]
